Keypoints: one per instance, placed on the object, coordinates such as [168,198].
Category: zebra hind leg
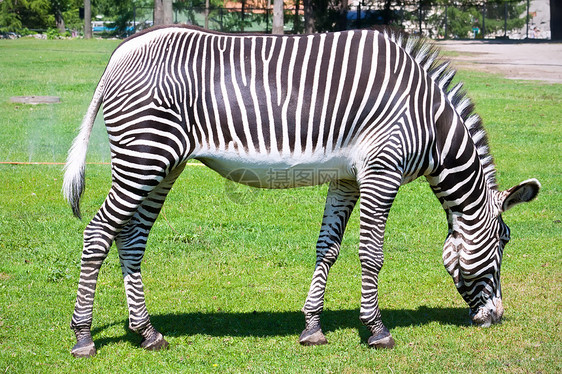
[115,213]
[342,196]
[98,237]
[131,243]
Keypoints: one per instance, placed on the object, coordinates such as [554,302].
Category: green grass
[225,281]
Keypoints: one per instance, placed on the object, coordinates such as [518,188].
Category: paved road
[535,61]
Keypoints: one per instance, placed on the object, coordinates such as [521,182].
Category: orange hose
[46,163]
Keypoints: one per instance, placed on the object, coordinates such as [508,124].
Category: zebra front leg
[341,198]
[378,191]
[131,244]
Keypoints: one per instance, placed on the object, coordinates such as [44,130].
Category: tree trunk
[342,19]
[158,17]
[242,16]
[59,21]
[387,12]
[207,14]
[278,21]
[296,18]
[556,20]
[168,12]
[87,20]
[308,17]
[163,12]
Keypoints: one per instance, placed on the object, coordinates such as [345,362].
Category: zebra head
[473,251]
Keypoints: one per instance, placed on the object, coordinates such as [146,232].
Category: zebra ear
[522,193]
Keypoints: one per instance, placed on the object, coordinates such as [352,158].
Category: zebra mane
[428,56]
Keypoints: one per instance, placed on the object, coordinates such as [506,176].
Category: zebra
[375,107]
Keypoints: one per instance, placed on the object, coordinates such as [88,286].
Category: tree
[18,14]
[10,16]
[308,8]
[119,14]
[158,12]
[87,19]
[389,14]
[500,15]
[57,7]
[328,15]
[278,22]
[207,14]
[459,19]
[163,12]
[37,14]
[556,19]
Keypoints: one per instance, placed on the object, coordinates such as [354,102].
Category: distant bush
[53,34]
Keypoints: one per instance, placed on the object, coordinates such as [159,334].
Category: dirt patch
[524,60]
[35,99]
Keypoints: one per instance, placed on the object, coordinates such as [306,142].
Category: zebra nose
[482,318]
[497,314]
[488,314]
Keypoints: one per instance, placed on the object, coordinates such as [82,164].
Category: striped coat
[362,110]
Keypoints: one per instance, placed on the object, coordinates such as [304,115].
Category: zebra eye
[503,231]
[504,236]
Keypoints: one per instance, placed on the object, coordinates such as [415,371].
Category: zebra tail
[74,182]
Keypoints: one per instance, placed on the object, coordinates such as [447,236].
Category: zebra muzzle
[488,314]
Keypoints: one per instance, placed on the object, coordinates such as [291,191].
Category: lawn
[226,274]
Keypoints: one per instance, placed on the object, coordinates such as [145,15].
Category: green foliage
[233,21]
[53,34]
[463,17]
[225,282]
[40,14]
[33,14]
[221,19]
[9,20]
[118,13]
[496,13]
[460,21]
[72,18]
[16,14]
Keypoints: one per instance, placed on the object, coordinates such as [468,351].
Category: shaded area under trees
[433,18]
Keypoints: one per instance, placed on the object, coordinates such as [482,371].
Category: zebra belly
[278,173]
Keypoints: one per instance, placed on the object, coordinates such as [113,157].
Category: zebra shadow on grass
[267,324]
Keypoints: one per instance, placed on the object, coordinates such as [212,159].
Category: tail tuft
[74,186]
[74,176]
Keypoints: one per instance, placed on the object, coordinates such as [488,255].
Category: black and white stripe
[374,110]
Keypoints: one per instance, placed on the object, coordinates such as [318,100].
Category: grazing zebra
[362,110]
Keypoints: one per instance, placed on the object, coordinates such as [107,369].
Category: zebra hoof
[313,337]
[381,340]
[156,343]
[85,348]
